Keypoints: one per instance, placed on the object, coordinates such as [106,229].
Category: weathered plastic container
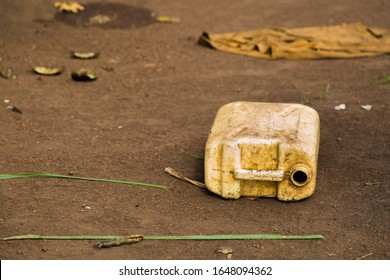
[263,150]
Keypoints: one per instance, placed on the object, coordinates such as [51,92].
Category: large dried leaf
[339,41]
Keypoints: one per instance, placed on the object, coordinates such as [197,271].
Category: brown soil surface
[153,105]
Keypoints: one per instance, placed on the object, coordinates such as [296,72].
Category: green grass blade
[234,237]
[17,175]
[384,80]
[50,175]
[172,237]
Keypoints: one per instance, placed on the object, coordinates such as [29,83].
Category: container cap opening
[300,175]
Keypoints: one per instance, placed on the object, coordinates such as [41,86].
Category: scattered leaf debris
[48,71]
[85,55]
[68,6]
[167,19]
[8,73]
[83,75]
[105,15]
[224,250]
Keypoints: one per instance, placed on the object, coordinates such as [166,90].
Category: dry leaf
[48,71]
[224,250]
[70,7]
[178,175]
[85,55]
[83,75]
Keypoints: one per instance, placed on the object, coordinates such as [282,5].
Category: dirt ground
[153,105]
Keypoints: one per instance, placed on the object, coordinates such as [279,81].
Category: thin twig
[362,257]
[178,175]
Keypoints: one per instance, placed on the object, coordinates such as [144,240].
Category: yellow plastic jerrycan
[263,150]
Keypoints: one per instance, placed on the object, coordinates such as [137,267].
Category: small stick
[178,175]
[362,257]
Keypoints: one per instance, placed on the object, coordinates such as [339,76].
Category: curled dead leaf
[224,250]
[70,7]
[14,109]
[83,75]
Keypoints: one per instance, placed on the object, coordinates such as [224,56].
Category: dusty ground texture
[153,105]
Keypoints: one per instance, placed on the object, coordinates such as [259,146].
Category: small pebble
[366,107]
[340,107]
[86,206]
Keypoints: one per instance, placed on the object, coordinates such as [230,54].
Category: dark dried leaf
[83,75]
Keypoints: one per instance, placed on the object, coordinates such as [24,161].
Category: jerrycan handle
[262,175]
